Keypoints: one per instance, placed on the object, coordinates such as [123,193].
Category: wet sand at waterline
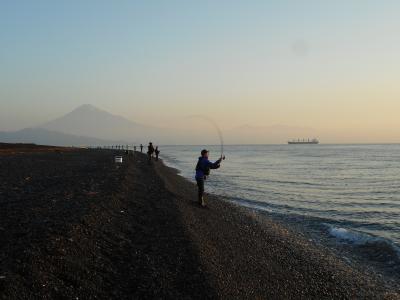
[73,224]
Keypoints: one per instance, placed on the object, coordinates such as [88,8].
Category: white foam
[352,236]
[379,244]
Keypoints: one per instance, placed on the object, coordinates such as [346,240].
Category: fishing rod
[219,132]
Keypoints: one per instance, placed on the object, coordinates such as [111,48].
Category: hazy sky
[333,66]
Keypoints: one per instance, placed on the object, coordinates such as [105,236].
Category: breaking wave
[377,248]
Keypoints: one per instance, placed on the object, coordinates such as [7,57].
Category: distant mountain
[88,120]
[88,125]
[46,137]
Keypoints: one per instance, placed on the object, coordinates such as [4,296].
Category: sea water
[352,191]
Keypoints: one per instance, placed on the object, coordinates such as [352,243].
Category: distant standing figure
[141,148]
[157,152]
[134,148]
[202,171]
[150,151]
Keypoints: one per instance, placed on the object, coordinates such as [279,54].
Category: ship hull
[303,143]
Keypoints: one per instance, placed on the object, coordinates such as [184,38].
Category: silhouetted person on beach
[134,148]
[202,171]
[141,148]
[150,151]
[157,152]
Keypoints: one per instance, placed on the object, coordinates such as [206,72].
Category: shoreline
[364,251]
[93,229]
[264,222]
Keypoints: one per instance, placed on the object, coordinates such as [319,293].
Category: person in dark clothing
[150,151]
[157,152]
[203,168]
[141,148]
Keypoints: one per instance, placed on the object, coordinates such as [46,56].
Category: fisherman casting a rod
[203,168]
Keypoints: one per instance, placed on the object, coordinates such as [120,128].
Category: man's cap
[204,151]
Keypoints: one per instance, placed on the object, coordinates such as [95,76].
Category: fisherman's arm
[216,164]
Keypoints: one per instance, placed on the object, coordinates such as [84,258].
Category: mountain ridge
[88,120]
[54,138]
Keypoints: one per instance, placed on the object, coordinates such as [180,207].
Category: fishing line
[215,125]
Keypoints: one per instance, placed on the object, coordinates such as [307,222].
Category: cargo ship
[304,141]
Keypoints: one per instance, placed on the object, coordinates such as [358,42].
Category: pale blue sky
[320,64]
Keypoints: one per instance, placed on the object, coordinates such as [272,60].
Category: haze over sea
[351,192]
